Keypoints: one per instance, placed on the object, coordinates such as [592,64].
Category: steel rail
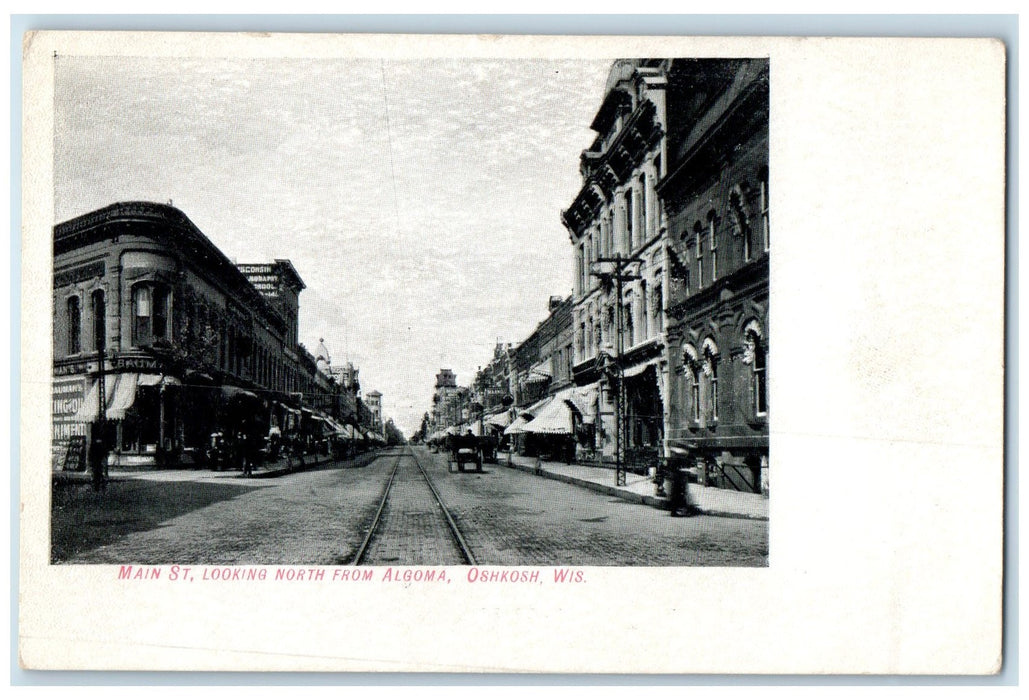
[378,514]
[466,552]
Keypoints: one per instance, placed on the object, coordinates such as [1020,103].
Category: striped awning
[120,393]
[516,426]
[501,420]
[556,418]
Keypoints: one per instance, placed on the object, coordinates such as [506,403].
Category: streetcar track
[452,528]
[466,551]
[378,514]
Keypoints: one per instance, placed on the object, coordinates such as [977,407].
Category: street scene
[424,313]
[326,516]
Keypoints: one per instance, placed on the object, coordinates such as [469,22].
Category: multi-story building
[492,388]
[447,401]
[549,413]
[373,399]
[670,239]
[716,201]
[620,273]
[159,339]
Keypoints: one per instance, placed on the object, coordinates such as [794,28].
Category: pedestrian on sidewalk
[98,457]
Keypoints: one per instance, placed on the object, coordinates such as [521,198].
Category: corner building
[159,339]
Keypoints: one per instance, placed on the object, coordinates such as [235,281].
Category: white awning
[536,407]
[516,426]
[556,418]
[638,369]
[501,420]
[584,399]
[120,391]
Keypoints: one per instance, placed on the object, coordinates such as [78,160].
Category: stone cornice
[638,136]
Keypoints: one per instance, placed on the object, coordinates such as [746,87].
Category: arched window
[710,351]
[150,313]
[74,312]
[691,368]
[99,321]
[741,221]
[755,354]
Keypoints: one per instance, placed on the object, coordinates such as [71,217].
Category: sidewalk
[641,489]
[268,470]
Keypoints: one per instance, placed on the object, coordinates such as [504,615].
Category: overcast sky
[423,236]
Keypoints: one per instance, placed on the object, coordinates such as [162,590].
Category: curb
[354,462]
[655,501]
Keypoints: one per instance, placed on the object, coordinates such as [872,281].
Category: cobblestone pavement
[413,530]
[509,517]
[320,517]
[313,517]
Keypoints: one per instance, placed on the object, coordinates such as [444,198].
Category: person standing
[98,456]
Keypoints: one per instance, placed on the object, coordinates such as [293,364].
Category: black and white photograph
[421,312]
[454,354]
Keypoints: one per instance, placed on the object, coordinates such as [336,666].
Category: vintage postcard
[512,354]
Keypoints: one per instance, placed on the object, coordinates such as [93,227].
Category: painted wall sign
[79,274]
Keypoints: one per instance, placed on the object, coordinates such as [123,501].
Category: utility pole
[620,274]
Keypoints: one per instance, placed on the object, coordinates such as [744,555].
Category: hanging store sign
[135,363]
[69,369]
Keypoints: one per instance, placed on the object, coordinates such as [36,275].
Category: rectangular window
[74,326]
[659,305]
[764,213]
[695,395]
[150,306]
[714,390]
[579,264]
[644,311]
[630,234]
[714,249]
[160,313]
[644,229]
[142,302]
[760,389]
[700,260]
[99,321]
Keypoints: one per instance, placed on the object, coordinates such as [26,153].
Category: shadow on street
[82,519]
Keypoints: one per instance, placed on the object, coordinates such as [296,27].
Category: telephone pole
[619,274]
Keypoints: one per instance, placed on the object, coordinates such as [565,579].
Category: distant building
[447,400]
[374,401]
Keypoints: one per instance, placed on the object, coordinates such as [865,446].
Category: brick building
[157,332]
[716,201]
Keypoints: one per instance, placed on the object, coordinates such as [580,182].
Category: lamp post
[619,273]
